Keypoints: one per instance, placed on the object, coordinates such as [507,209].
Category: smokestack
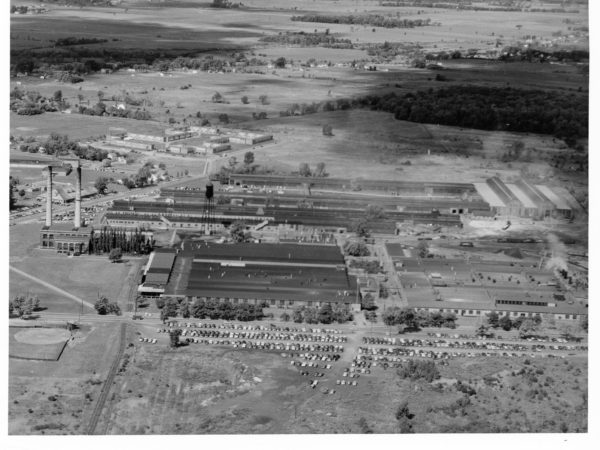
[77,221]
[49,198]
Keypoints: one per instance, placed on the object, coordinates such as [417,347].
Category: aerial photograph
[298,217]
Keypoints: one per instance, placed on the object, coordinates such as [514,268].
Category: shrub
[416,370]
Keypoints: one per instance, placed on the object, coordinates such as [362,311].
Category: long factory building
[274,275]
[330,204]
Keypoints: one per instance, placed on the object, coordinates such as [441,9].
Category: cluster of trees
[404,418]
[414,320]
[130,242]
[226,4]
[71,40]
[91,153]
[354,248]
[11,199]
[259,115]
[325,314]
[23,307]
[375,20]
[303,39]
[304,170]
[234,167]
[456,4]
[529,54]
[263,99]
[18,9]
[416,369]
[371,266]
[60,144]
[367,303]
[237,232]
[104,307]
[213,309]
[29,103]
[564,116]
[526,326]
[100,109]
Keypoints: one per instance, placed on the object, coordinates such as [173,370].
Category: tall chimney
[77,222]
[49,198]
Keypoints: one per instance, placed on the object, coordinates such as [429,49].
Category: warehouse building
[467,309]
[523,199]
[157,272]
[275,275]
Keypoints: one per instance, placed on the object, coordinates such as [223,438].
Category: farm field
[229,27]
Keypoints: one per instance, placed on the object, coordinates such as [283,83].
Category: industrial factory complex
[278,203]
[191,140]
[285,271]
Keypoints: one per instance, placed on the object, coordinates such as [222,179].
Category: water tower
[209,206]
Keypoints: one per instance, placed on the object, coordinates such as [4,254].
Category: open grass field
[374,145]
[57,397]
[84,277]
[76,126]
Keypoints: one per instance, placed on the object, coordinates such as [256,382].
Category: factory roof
[552,196]
[559,202]
[65,227]
[306,253]
[523,198]
[270,283]
[158,269]
[489,195]
[163,258]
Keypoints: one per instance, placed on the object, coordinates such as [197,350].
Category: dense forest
[564,116]
[85,60]
[374,20]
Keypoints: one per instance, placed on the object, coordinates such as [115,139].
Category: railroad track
[107,384]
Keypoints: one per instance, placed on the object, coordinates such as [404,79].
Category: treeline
[503,6]
[326,314]
[413,320]
[212,309]
[59,145]
[132,242]
[374,20]
[564,116]
[535,55]
[86,60]
[64,42]
[100,109]
[303,39]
